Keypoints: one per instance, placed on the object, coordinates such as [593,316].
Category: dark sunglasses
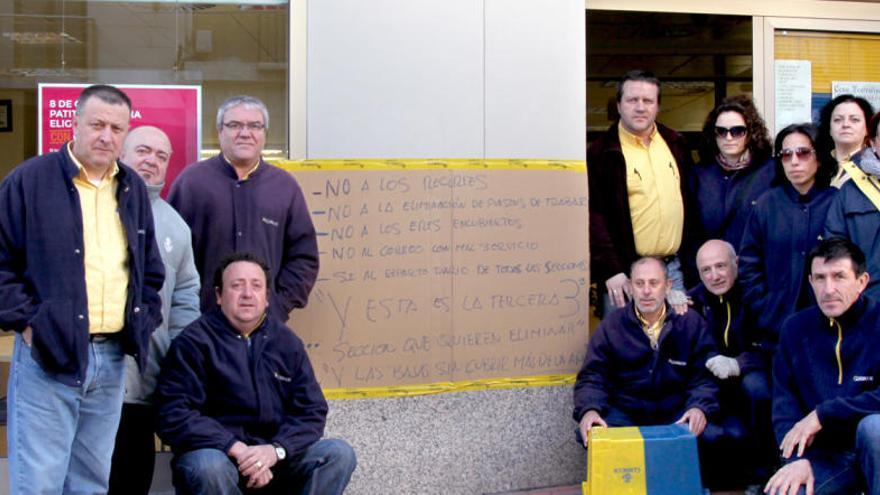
[785,154]
[735,132]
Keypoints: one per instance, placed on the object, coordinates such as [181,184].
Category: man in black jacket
[238,401]
[80,275]
[826,404]
[639,205]
[646,364]
[741,367]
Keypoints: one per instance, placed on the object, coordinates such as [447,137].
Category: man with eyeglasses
[637,173]
[236,201]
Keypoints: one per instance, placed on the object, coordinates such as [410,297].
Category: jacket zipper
[727,326]
[837,351]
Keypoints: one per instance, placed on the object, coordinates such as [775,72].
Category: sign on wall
[174,109]
[439,271]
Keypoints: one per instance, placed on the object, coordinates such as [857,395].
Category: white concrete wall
[441,78]
[445,79]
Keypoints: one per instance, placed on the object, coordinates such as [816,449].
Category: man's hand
[801,435]
[679,301]
[255,461]
[590,420]
[695,419]
[28,335]
[789,479]
[723,367]
[260,480]
[619,289]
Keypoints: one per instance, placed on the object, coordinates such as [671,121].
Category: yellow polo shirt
[655,203]
[106,253]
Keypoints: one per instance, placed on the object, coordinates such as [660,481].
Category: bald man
[147,150]
[740,365]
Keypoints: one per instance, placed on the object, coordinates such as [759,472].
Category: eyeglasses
[236,126]
[785,154]
[735,132]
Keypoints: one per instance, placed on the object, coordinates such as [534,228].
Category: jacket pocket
[55,330]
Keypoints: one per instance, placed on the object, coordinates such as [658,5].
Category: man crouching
[826,404]
[646,364]
[238,401]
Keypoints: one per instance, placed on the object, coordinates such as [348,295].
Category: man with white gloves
[741,367]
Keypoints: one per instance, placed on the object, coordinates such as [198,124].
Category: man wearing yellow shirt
[637,174]
[80,276]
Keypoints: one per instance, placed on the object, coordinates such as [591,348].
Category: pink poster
[174,109]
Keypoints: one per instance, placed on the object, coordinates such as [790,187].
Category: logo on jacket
[168,245]
[861,378]
[269,221]
[677,363]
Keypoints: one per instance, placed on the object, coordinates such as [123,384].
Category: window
[227,48]
[700,60]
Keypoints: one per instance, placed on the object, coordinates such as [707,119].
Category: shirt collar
[249,172]
[153,191]
[257,326]
[83,174]
[631,138]
[847,157]
[851,316]
[645,323]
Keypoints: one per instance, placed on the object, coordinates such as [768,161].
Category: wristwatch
[279,451]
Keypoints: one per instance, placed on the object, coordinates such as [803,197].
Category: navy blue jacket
[42,268]
[807,373]
[217,387]
[853,216]
[782,229]
[735,335]
[725,199]
[621,371]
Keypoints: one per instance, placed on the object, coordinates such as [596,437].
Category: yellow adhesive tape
[443,387]
[578,166]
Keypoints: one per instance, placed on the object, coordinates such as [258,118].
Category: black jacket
[782,229]
[807,374]
[217,387]
[42,267]
[612,245]
[623,372]
[734,333]
[725,199]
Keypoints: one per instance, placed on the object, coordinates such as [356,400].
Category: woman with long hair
[735,168]
[785,224]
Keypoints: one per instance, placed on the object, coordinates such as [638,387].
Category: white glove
[723,367]
[678,300]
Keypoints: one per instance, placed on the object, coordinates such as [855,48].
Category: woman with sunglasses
[855,212]
[785,224]
[735,168]
[843,132]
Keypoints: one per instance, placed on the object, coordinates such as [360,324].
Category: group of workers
[736,297]
[737,293]
[103,282]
